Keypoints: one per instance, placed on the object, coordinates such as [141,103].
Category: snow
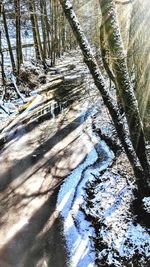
[77,229]
[139,239]
[53,110]
[26,37]
[146,204]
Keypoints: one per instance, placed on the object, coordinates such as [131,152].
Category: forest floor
[66,199]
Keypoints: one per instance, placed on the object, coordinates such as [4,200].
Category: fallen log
[49,86]
[36,101]
[56,77]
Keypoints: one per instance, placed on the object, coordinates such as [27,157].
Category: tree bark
[138,59]
[52,32]
[47,30]
[105,54]
[43,24]
[1,55]
[35,35]
[2,63]
[19,57]
[35,30]
[123,84]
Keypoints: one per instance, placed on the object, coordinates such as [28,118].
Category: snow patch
[77,229]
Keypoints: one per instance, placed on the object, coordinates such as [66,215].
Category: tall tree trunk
[105,54]
[55,26]
[19,56]
[43,24]
[2,62]
[58,30]
[8,39]
[107,62]
[47,30]
[34,30]
[139,59]
[1,54]
[52,12]
[37,30]
[143,186]
[124,87]
[63,32]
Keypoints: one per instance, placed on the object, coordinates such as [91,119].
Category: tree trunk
[47,30]
[19,56]
[108,101]
[105,54]
[63,32]
[1,55]
[52,32]
[124,87]
[43,24]
[8,39]
[34,31]
[139,59]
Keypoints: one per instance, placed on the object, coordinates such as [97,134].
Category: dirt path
[33,165]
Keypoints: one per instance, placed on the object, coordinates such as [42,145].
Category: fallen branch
[36,101]
[56,77]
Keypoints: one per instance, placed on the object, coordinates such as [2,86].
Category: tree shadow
[28,246]
[64,96]
[33,158]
